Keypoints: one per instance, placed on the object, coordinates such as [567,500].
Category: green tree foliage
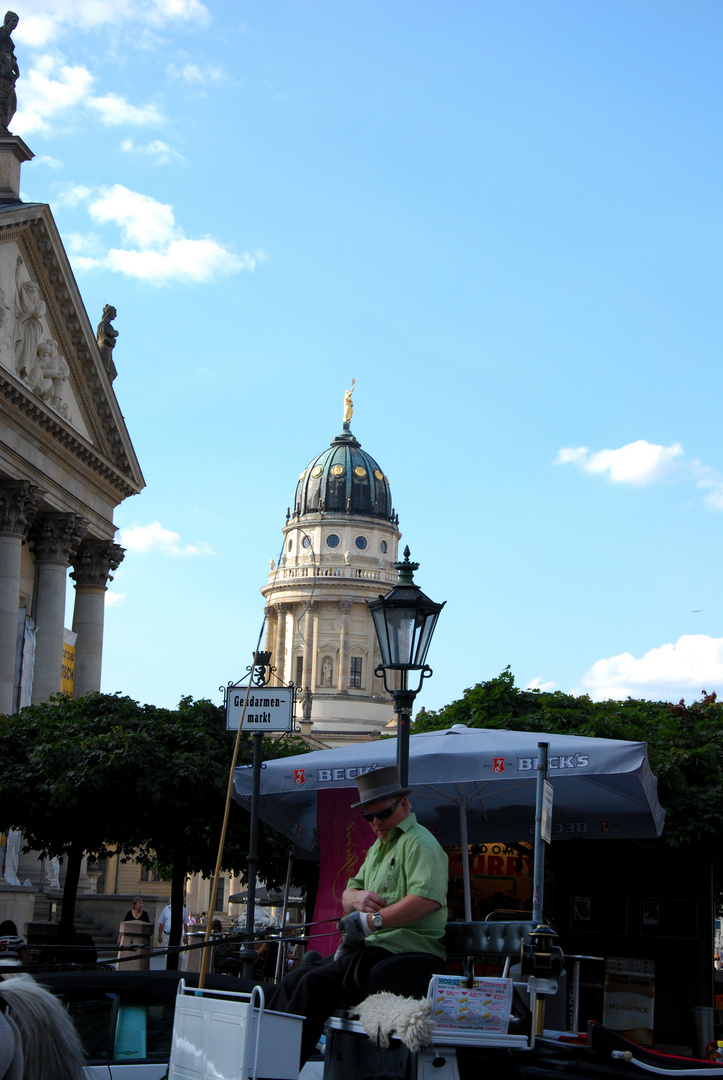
[685,747]
[104,774]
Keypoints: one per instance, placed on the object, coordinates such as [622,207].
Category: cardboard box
[629,998]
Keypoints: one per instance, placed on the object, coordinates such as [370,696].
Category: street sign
[269,708]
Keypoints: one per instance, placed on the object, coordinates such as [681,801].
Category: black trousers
[315,992]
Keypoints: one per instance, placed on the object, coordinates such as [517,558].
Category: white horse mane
[51,1047]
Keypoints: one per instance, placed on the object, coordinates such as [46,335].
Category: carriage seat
[480,940]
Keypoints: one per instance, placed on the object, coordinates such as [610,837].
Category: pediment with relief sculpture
[51,367]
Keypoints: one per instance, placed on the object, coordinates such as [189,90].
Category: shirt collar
[406,823]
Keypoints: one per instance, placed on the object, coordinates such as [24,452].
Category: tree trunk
[70,889]
[178,883]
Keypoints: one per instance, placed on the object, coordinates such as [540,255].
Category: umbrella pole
[538,880]
[281,956]
[464,842]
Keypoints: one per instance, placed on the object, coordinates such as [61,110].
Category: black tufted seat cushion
[487,938]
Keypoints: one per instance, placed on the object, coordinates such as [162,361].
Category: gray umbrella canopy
[602,788]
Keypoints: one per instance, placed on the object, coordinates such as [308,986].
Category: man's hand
[355,927]
[362,900]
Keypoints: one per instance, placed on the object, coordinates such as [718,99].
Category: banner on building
[67,671]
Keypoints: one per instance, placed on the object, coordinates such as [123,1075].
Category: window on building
[151,875]
[220,905]
[355,671]
[299,669]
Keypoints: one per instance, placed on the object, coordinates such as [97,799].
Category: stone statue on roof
[9,71]
[106,335]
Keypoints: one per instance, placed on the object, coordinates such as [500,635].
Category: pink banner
[344,839]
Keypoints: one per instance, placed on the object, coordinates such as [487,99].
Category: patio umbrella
[472,785]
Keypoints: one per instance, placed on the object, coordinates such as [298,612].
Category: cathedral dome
[343,479]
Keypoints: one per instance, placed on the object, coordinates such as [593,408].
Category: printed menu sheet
[483,1007]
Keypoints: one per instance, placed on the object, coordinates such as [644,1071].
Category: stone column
[54,538]
[270,636]
[19,499]
[282,610]
[343,673]
[92,567]
[309,681]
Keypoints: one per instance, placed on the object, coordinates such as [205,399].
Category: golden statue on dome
[348,406]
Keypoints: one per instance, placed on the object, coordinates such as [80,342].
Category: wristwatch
[377,920]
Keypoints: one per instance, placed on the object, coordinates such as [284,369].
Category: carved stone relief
[27,348]
[54,537]
[19,500]
[94,560]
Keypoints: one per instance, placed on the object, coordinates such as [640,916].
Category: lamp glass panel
[400,626]
[380,625]
[425,637]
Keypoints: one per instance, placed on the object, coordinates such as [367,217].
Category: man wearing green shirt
[395,916]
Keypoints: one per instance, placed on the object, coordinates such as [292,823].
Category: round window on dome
[303,475]
[378,475]
[383,546]
[316,471]
[332,540]
[360,472]
[306,542]
[361,542]
[337,470]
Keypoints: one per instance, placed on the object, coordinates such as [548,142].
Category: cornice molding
[34,410]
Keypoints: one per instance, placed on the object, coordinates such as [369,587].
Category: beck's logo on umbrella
[299,776]
[498,764]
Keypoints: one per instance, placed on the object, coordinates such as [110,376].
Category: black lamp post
[404,620]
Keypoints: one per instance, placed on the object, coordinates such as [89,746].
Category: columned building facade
[340,546]
[66,459]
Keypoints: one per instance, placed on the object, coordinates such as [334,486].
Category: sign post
[259,709]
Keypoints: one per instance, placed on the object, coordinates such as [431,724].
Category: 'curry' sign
[268,708]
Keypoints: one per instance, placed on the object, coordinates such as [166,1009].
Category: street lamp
[404,621]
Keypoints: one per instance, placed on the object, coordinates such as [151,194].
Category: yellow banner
[67,671]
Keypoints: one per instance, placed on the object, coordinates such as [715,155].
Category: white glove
[355,928]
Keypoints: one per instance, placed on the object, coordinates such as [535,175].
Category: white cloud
[114,110]
[714,493]
[538,684]
[46,159]
[182,260]
[112,599]
[142,219]
[145,539]
[156,249]
[73,194]
[53,88]
[196,75]
[638,462]
[51,19]
[683,669]
[159,152]
[49,88]
[641,462]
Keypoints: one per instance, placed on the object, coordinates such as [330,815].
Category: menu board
[485,1006]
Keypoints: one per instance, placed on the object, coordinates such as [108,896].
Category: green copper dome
[343,479]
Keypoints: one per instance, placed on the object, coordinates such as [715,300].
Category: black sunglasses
[381,815]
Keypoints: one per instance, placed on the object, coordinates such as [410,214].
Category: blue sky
[503,219]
